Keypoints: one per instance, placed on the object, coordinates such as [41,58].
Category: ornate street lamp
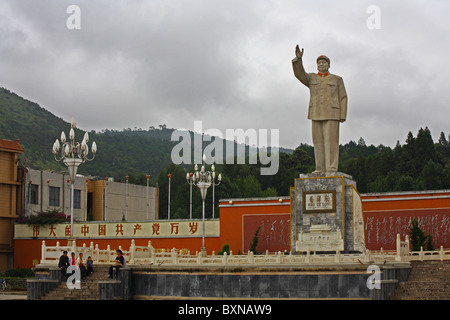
[72,155]
[203,180]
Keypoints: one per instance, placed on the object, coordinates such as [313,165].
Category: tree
[361,142]
[446,176]
[249,187]
[418,238]
[379,184]
[254,242]
[431,175]
[424,149]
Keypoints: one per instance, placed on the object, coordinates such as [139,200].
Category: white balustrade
[148,255]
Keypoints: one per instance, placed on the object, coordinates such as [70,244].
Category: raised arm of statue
[297,65]
[298,53]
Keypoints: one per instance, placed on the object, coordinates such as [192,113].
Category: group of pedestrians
[86,268]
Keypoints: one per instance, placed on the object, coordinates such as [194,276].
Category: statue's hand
[298,53]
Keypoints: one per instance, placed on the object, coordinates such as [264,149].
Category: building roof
[7,145]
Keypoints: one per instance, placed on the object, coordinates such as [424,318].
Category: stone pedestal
[326,213]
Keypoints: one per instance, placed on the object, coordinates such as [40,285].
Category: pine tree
[418,238]
[254,242]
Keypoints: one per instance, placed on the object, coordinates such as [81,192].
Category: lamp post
[190,180]
[126,197]
[148,177]
[213,182]
[72,155]
[203,180]
[106,199]
[168,204]
[86,185]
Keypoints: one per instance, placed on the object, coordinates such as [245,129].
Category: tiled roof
[10,145]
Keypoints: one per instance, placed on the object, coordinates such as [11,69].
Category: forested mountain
[417,164]
[119,152]
[134,152]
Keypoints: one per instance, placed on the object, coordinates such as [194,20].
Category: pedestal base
[319,238]
[326,213]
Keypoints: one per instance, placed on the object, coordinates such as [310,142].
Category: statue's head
[323,63]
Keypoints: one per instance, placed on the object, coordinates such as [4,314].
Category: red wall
[248,215]
[386,215]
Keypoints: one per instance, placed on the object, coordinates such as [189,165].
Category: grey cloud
[143,63]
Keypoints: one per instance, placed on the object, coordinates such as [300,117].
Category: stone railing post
[132,250]
[398,256]
[96,253]
[224,258]
[174,256]
[250,257]
[151,250]
[279,257]
[108,252]
[337,256]
[43,250]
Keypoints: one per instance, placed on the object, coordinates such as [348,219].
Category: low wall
[319,282]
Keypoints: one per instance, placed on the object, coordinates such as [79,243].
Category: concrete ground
[13,295]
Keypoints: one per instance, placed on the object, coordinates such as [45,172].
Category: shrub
[19,273]
[51,216]
[225,248]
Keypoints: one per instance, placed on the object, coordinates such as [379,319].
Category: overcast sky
[228,63]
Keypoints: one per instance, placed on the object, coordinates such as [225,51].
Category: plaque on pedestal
[326,214]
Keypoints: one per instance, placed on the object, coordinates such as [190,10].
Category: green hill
[134,152]
[119,152]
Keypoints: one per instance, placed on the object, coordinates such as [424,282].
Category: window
[77,199]
[34,194]
[53,196]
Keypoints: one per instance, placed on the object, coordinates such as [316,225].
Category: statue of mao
[327,108]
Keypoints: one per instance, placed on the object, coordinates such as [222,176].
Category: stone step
[88,291]
[421,297]
[425,293]
[428,280]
